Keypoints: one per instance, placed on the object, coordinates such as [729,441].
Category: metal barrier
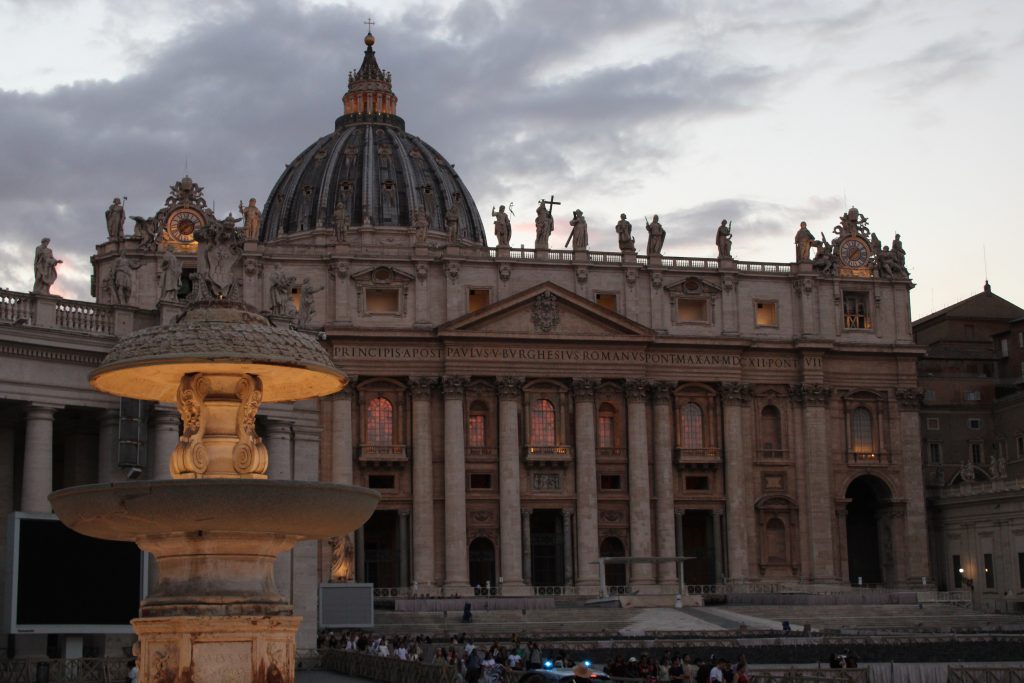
[963,674]
[92,670]
[811,676]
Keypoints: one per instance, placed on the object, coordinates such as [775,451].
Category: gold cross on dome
[369,24]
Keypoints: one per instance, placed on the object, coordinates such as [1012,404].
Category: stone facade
[522,411]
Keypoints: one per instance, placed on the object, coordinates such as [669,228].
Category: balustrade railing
[85,317]
[615,257]
[696,456]
[763,267]
[15,307]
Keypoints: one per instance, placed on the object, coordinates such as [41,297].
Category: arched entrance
[869,544]
[380,539]
[614,574]
[481,563]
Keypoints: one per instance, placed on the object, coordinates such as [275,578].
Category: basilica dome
[369,172]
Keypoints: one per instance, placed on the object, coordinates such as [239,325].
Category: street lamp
[966,580]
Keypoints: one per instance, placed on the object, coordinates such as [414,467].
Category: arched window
[476,429]
[542,423]
[691,427]
[606,426]
[380,422]
[775,540]
[861,433]
[771,429]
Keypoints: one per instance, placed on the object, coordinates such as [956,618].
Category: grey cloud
[938,64]
[238,99]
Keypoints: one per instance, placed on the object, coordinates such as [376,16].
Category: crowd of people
[486,663]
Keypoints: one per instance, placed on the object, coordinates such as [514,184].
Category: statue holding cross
[545,222]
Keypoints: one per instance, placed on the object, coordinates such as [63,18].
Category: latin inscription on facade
[569,355]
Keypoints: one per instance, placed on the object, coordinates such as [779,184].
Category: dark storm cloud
[240,96]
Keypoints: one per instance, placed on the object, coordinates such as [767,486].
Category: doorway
[547,548]
[868,544]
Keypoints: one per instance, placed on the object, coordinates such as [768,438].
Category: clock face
[182,224]
[854,253]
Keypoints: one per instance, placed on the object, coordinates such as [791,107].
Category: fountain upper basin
[132,510]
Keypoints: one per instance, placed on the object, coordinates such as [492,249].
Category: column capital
[735,392]
[583,388]
[307,433]
[41,411]
[421,387]
[636,390]
[510,387]
[454,386]
[277,427]
[910,398]
[809,394]
[165,415]
[662,392]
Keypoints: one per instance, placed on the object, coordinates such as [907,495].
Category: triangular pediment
[693,286]
[546,310]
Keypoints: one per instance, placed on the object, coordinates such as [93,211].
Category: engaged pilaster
[586,482]
[737,472]
[422,484]
[639,480]
[456,552]
[664,491]
[819,514]
[509,521]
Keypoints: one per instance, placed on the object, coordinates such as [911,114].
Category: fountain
[216,527]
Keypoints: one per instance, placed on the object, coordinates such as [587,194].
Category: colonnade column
[37,468]
[664,479]
[916,554]
[106,457]
[639,481]
[720,567]
[737,472]
[279,467]
[305,570]
[509,519]
[165,439]
[341,436]
[820,513]
[587,542]
[403,548]
[456,555]
[567,546]
[422,484]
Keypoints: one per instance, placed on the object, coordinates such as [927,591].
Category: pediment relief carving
[693,286]
[382,275]
[546,309]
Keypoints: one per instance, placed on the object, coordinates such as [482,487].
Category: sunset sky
[763,112]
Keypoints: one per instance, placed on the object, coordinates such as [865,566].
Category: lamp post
[969,582]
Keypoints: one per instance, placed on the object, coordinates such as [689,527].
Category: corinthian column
[737,470]
[509,519]
[913,485]
[456,555]
[37,470]
[586,482]
[639,480]
[422,485]
[664,519]
[341,435]
[820,512]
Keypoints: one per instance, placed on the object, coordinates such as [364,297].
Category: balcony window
[771,432]
[606,426]
[380,422]
[542,423]
[691,427]
[861,432]
[855,311]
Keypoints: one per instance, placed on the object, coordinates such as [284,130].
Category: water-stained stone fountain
[215,528]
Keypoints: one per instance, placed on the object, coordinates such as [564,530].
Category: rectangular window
[698,483]
[1020,569]
[607,300]
[976,453]
[692,310]
[611,482]
[958,576]
[478,298]
[972,395]
[1004,347]
[382,301]
[381,481]
[475,431]
[990,572]
[765,314]
[479,480]
[855,311]
[1020,340]
[929,396]
[932,423]
[974,423]
[1020,446]
[935,453]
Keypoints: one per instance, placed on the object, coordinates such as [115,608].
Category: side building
[972,426]
[522,411]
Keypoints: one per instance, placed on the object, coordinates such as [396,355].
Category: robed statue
[545,226]
[723,238]
[115,220]
[624,229]
[656,237]
[803,240]
[578,236]
[45,266]
[250,219]
[502,226]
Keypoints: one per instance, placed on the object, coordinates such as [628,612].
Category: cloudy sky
[764,112]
